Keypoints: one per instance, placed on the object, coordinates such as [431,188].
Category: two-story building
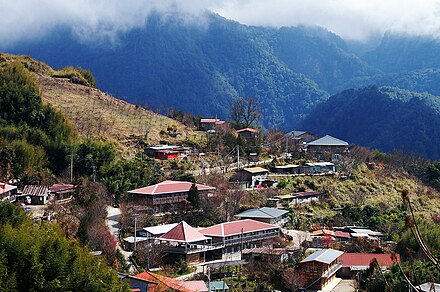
[251,177]
[326,148]
[319,269]
[237,235]
[166,195]
[186,242]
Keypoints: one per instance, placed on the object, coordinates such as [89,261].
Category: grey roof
[429,286]
[296,133]
[265,212]
[160,229]
[325,256]
[328,140]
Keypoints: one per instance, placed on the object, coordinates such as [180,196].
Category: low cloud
[351,19]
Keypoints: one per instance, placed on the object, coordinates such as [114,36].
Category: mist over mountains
[202,67]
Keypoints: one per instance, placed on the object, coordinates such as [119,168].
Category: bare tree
[245,111]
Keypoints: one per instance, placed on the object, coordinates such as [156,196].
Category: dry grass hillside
[96,114]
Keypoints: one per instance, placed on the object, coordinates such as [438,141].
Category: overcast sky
[351,19]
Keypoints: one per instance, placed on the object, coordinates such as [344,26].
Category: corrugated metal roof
[256,169]
[325,256]
[218,285]
[264,250]
[328,140]
[236,227]
[183,232]
[286,166]
[364,259]
[160,229]
[164,283]
[35,190]
[169,186]
[265,212]
[197,285]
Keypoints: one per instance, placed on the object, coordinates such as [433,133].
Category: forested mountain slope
[384,118]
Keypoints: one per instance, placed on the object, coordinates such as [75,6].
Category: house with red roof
[319,269]
[248,133]
[167,194]
[61,191]
[165,284]
[352,263]
[7,192]
[237,235]
[187,243]
[209,124]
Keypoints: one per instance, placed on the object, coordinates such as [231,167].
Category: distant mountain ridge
[384,118]
[202,68]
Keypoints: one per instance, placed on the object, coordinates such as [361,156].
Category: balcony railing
[332,270]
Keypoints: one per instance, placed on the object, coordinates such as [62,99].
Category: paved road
[345,286]
[112,221]
[231,167]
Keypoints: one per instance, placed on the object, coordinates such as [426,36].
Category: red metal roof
[198,286]
[4,187]
[342,234]
[364,259]
[183,232]
[236,227]
[247,130]
[164,283]
[61,188]
[209,120]
[168,187]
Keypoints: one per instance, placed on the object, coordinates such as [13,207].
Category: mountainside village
[252,236]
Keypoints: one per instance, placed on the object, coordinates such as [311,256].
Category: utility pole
[94,173]
[238,157]
[71,167]
[209,279]
[287,144]
[135,215]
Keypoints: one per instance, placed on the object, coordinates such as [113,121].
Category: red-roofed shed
[353,262]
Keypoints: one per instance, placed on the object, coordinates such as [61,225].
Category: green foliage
[39,258]
[433,172]
[408,247]
[92,155]
[126,174]
[76,75]
[193,196]
[35,135]
[381,118]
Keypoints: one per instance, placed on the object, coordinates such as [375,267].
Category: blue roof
[325,256]
[328,140]
[265,212]
[218,285]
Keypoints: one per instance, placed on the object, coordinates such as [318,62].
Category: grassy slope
[380,187]
[99,115]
